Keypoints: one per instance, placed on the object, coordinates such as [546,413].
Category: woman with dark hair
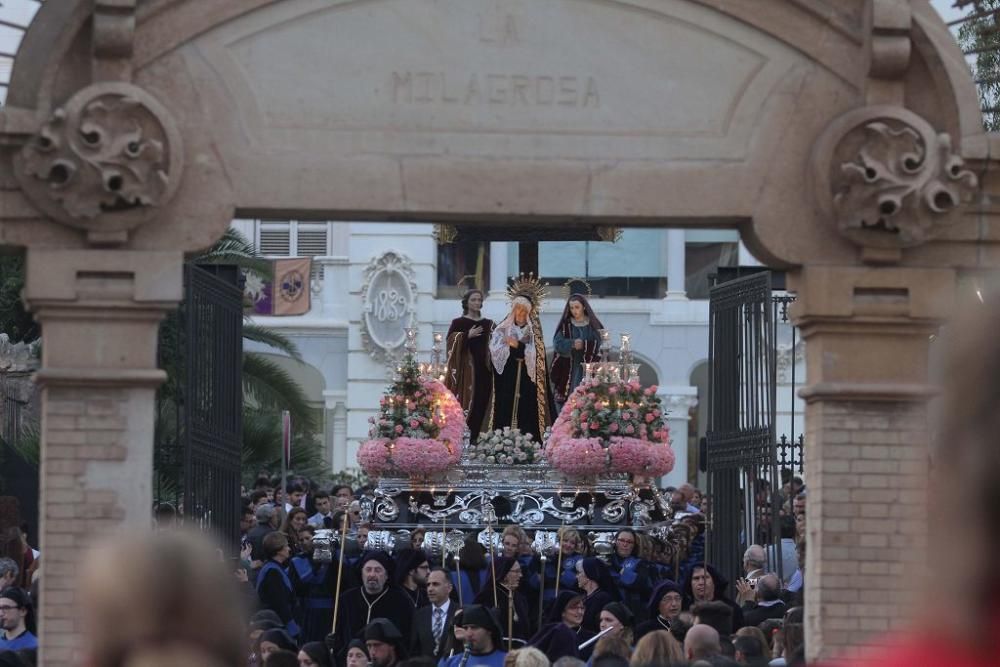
[469,577]
[314,654]
[563,632]
[295,521]
[501,593]
[594,579]
[577,341]
[469,375]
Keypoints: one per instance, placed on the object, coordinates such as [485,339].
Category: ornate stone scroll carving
[389,297]
[105,162]
[888,180]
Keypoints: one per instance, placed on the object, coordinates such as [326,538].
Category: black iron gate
[741,445]
[211,404]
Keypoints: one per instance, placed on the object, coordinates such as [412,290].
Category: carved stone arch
[719,122]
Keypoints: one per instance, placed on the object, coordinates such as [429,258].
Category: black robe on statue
[470,374]
[505,385]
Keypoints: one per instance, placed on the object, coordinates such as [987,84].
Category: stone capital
[100,311]
[334,398]
[678,401]
[867,330]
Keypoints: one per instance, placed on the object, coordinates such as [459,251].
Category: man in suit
[432,623]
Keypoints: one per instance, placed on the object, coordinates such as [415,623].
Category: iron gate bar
[213,400]
[741,447]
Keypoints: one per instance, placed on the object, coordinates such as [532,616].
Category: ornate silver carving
[888,179]
[546,542]
[490,539]
[614,511]
[382,540]
[543,506]
[386,508]
[462,505]
[106,162]
[388,305]
[604,543]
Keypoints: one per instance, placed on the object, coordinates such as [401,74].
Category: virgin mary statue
[521,395]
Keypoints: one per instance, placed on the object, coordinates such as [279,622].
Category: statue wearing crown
[522,398]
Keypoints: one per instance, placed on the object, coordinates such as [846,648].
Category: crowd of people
[417,607]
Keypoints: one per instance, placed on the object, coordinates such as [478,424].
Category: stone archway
[639,112]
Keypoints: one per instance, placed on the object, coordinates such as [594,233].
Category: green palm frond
[268,385]
[262,446]
[234,248]
[271,338]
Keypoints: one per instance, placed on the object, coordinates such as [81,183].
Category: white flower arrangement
[505,446]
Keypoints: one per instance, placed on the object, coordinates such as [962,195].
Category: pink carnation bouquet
[419,430]
[611,426]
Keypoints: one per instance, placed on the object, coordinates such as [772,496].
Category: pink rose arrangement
[419,430]
[617,427]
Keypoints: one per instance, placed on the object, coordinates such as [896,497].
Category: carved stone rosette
[887,179]
[106,162]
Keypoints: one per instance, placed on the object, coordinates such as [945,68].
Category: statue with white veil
[522,398]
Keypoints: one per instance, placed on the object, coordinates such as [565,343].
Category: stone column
[867,335]
[677,402]
[100,311]
[498,269]
[335,428]
[676,271]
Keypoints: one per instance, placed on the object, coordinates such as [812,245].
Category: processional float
[595,471]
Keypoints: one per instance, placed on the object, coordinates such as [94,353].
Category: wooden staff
[458,576]
[510,620]
[493,564]
[541,593]
[558,561]
[340,572]
[517,394]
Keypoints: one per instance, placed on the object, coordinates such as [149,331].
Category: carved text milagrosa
[494,89]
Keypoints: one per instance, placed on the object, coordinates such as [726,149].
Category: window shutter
[275,240]
[312,241]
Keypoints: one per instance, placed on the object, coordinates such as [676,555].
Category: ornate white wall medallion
[388,307]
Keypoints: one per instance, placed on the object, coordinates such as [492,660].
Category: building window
[292,238]
[705,250]
[634,266]
[462,265]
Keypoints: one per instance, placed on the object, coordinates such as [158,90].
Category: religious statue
[469,374]
[577,341]
[521,395]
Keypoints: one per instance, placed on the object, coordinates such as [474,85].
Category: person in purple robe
[470,375]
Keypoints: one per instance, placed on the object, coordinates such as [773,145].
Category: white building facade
[651,283]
